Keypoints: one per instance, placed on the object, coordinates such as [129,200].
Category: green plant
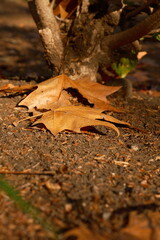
[156,36]
[27,207]
[124,66]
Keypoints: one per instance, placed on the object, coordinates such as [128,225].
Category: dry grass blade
[27,172]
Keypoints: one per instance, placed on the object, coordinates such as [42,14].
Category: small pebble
[134,148]
[144,183]
[68,207]
[106,215]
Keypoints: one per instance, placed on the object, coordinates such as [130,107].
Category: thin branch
[48,28]
[27,172]
[137,10]
[128,36]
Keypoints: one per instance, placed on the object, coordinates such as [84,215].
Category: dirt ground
[101,185]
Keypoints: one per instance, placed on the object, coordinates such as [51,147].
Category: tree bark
[42,12]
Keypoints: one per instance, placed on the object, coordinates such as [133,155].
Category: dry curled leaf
[83,233]
[96,93]
[65,8]
[74,118]
[10,88]
[58,112]
[50,91]
[142,227]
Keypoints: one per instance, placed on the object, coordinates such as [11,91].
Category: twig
[27,173]
[139,129]
[139,9]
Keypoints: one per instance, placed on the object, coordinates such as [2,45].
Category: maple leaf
[95,93]
[51,98]
[49,92]
[140,227]
[65,8]
[83,233]
[74,118]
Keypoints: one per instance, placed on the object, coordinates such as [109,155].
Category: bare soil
[98,180]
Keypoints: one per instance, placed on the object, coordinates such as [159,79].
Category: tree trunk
[94,38]
[48,29]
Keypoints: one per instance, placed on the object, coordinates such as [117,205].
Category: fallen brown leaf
[92,90]
[58,110]
[63,13]
[49,92]
[141,227]
[83,233]
[96,93]
[74,118]
[65,8]
[10,88]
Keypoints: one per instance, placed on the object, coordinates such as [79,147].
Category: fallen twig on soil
[27,172]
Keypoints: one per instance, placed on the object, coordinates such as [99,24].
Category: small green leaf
[124,66]
[156,36]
